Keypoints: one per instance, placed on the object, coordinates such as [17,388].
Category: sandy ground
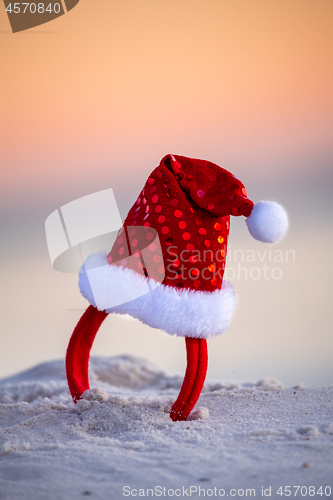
[242,439]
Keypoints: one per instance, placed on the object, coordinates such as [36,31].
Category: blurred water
[281,327]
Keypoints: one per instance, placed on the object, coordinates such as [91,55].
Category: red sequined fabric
[188,203]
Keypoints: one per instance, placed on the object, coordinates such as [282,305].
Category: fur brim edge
[182,312]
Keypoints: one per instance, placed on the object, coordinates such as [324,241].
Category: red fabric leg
[197,361]
[78,351]
[199,380]
[192,350]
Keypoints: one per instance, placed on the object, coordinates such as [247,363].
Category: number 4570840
[304,491]
[32,8]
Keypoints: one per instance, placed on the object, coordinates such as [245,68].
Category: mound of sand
[241,440]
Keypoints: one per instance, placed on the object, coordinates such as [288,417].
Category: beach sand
[242,440]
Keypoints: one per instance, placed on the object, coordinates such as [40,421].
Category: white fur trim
[268,221]
[182,312]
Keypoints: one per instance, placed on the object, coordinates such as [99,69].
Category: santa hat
[166,266]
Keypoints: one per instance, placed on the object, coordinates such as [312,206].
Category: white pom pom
[268,221]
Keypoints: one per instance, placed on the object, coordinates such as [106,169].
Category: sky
[95,98]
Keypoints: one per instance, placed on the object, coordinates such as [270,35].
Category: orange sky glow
[116,85]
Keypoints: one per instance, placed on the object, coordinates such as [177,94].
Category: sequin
[123,262]
[152,190]
[182,224]
[197,284]
[147,209]
[135,215]
[178,214]
[201,193]
[169,241]
[121,251]
[146,224]
[137,209]
[176,263]
[172,252]
[209,255]
[222,253]
[232,197]
[120,240]
[161,269]
[110,259]
[170,193]
[186,236]
[146,216]
[133,223]
[194,209]
[144,201]
[195,272]
[157,259]
[202,231]
[223,189]
[165,230]
[217,226]
[152,247]
[198,221]
[190,247]
[134,243]
[159,174]
[193,259]
[132,232]
[138,201]
[212,178]
[174,202]
[211,205]
[213,281]
[234,211]
[180,176]
[139,265]
[207,243]
[220,239]
[154,198]
[158,209]
[151,180]
[244,192]
[137,254]
[149,236]
[227,224]
[211,268]
[161,219]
